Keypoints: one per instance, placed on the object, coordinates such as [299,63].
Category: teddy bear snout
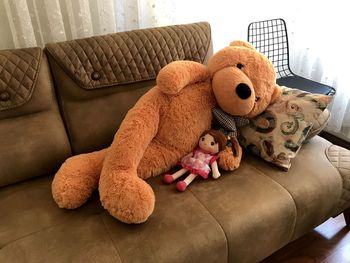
[243,91]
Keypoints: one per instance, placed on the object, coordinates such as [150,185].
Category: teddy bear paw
[126,197]
[228,161]
[74,182]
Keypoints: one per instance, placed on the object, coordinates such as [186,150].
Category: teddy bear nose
[243,91]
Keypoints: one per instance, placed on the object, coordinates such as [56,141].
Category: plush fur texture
[240,63]
[163,126]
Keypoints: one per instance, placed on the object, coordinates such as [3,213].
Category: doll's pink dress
[199,163]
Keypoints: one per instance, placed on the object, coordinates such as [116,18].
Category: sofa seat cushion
[340,158]
[250,210]
[257,214]
[34,229]
[244,216]
[33,138]
[313,182]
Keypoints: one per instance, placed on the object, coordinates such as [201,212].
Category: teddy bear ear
[276,95]
[241,43]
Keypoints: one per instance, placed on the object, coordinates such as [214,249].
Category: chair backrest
[270,38]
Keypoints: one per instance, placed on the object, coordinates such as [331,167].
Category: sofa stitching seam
[289,193]
[217,221]
[30,234]
[39,230]
[110,237]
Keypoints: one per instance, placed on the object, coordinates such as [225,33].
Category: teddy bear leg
[77,178]
[126,196]
[158,159]
[123,191]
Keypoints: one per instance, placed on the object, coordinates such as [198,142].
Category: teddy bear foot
[75,181]
[228,160]
[126,197]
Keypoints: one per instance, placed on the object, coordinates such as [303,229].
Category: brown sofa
[71,97]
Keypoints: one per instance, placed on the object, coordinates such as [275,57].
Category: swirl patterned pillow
[277,134]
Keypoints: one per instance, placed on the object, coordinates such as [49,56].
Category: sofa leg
[347,216]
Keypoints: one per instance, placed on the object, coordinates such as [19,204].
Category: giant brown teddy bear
[163,126]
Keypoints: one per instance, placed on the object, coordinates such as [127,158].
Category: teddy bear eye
[203,139]
[212,143]
[240,66]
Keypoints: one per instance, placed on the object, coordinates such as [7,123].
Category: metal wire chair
[270,38]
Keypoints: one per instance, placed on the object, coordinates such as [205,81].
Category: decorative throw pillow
[319,124]
[277,134]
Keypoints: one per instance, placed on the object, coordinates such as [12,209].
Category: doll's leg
[182,185]
[169,178]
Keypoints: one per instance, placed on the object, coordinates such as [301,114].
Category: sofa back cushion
[98,79]
[32,135]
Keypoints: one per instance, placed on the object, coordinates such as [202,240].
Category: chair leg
[346,214]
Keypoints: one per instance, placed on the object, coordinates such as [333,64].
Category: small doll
[197,163]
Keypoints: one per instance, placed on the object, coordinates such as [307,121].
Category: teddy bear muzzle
[234,91]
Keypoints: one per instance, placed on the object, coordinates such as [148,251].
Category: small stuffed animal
[197,163]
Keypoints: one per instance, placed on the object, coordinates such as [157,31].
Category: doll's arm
[189,155]
[215,170]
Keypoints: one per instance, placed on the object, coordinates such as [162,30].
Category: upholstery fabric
[340,158]
[111,72]
[33,138]
[126,57]
[18,73]
[44,233]
[248,205]
[312,182]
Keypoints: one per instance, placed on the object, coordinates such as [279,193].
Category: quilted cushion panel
[340,158]
[132,56]
[18,73]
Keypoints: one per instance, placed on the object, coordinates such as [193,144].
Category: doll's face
[207,143]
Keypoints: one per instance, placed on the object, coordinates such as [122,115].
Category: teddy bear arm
[178,74]
[126,196]
[230,157]
[135,133]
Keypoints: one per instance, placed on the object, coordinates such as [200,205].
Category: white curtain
[317,30]
[26,23]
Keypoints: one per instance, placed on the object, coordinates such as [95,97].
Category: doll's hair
[218,136]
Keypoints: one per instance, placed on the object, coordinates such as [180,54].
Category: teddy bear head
[243,80]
